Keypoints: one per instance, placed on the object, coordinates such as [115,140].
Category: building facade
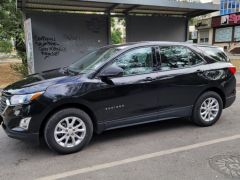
[205,31]
[222,29]
[229,6]
[226,32]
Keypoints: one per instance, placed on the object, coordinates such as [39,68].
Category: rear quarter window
[215,53]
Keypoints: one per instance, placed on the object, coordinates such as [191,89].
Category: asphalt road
[174,149]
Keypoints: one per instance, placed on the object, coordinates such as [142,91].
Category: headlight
[24,99]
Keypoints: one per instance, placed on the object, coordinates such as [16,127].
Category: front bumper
[12,117]
[21,134]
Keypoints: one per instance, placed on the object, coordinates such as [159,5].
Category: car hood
[40,82]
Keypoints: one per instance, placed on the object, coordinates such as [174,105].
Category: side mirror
[111,71]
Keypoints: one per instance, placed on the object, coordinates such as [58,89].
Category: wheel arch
[69,105]
[217,90]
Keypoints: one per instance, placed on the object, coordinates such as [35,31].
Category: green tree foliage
[116,34]
[5,46]
[11,26]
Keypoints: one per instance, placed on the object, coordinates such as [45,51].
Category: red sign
[230,19]
[234,18]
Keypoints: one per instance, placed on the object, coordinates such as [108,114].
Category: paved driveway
[174,149]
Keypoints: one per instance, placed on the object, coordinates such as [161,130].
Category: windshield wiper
[69,71]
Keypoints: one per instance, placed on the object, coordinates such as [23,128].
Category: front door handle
[165,77]
[148,79]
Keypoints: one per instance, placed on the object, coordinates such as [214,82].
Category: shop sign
[234,18]
[230,19]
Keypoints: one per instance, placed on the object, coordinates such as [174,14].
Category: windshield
[93,60]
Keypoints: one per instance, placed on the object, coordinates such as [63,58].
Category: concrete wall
[156,28]
[60,39]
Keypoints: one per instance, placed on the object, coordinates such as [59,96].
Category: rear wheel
[207,109]
[68,131]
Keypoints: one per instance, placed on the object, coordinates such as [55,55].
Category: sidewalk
[238,78]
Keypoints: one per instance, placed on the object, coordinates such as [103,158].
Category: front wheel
[68,131]
[207,109]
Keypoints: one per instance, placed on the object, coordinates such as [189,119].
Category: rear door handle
[199,71]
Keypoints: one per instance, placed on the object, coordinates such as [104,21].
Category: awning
[189,8]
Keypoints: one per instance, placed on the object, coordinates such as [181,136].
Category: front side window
[136,61]
[177,57]
[93,60]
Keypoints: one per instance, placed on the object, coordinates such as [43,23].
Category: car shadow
[41,150]
[139,130]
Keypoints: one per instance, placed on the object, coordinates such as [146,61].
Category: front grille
[3,103]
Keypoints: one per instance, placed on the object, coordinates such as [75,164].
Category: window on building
[204,40]
[237,33]
[178,57]
[229,6]
[238,6]
[223,34]
[204,34]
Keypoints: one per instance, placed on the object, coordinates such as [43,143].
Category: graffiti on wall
[48,46]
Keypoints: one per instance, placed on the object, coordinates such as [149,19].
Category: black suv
[118,86]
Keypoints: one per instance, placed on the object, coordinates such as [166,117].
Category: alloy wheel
[70,132]
[209,109]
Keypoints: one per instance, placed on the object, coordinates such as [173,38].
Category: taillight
[232,69]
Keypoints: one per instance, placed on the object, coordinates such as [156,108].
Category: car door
[132,95]
[179,80]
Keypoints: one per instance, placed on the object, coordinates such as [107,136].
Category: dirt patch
[7,75]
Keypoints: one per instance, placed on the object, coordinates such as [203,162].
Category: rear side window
[216,54]
[178,57]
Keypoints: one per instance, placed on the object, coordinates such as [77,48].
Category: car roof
[168,43]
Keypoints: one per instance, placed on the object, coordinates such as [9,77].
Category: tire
[72,137]
[201,106]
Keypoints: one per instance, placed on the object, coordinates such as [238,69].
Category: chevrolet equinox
[117,86]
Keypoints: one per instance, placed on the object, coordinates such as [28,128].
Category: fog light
[16,112]
[8,102]
[24,123]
